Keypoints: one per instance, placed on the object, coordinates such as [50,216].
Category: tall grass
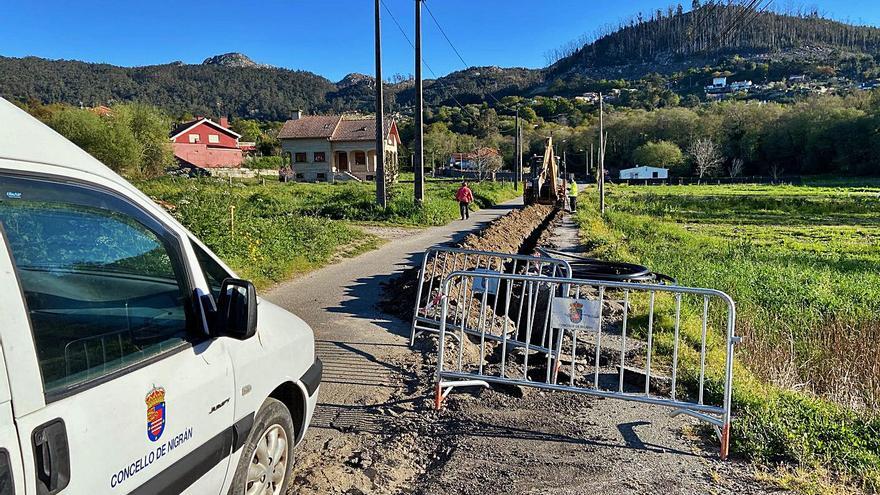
[801,264]
[284,229]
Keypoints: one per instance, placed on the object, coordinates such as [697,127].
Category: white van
[132,360]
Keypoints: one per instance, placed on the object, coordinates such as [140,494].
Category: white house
[741,85]
[323,148]
[644,172]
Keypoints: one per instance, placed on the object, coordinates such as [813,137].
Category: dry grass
[838,360]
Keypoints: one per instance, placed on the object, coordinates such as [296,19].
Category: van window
[104,283]
[214,273]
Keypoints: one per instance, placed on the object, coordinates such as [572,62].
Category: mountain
[691,44]
[675,40]
[207,89]
[233,59]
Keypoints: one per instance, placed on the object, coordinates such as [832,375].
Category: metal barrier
[566,322]
[438,262]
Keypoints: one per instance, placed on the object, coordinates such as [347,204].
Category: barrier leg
[438,397]
[725,441]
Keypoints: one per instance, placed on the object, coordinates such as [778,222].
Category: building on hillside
[644,172]
[719,85]
[589,97]
[472,160]
[741,85]
[202,146]
[328,148]
[102,110]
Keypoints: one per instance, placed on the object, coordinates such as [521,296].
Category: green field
[285,229]
[801,263]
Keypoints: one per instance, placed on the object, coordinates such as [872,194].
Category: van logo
[155,413]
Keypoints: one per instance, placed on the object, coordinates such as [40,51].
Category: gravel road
[375,430]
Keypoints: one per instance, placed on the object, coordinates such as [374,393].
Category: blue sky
[328,37]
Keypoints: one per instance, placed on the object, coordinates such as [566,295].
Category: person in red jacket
[465,197]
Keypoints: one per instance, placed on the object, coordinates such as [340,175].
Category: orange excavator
[545,187]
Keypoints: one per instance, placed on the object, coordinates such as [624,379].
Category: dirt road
[375,431]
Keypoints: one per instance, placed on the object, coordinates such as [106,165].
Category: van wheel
[267,456]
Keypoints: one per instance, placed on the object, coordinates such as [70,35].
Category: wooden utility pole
[587,162]
[517,155]
[601,155]
[592,161]
[381,198]
[419,164]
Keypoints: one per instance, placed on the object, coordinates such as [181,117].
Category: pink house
[204,144]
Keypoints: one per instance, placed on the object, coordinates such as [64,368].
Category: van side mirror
[236,315]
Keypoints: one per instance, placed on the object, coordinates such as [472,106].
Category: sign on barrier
[574,314]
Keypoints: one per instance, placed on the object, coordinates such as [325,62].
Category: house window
[213,138]
[360,158]
[193,138]
[300,157]
[656,175]
[320,157]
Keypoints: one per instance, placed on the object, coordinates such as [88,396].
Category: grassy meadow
[284,229]
[802,264]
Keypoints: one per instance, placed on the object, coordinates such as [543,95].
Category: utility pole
[591,160]
[381,198]
[601,155]
[587,163]
[517,156]
[564,163]
[419,165]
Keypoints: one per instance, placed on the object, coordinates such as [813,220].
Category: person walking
[573,196]
[465,197]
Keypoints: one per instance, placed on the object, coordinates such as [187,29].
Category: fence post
[232,219]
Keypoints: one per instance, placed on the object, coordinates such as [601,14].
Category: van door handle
[44,458]
[51,457]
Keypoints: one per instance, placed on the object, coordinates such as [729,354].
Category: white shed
[644,172]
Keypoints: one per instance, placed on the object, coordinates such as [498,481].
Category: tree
[439,142]
[658,154]
[706,157]
[132,139]
[488,162]
[149,129]
[736,167]
[249,129]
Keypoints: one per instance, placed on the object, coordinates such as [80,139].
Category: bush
[262,162]
[132,139]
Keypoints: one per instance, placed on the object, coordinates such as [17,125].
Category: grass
[281,230]
[801,264]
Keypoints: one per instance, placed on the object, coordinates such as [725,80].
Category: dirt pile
[515,233]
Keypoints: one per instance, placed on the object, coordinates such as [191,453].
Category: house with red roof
[327,148]
[205,146]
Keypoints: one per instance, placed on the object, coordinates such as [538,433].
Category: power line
[452,45]
[445,36]
[436,77]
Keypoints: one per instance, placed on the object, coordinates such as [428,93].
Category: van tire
[272,415]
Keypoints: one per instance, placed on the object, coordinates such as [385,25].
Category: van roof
[24,138]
